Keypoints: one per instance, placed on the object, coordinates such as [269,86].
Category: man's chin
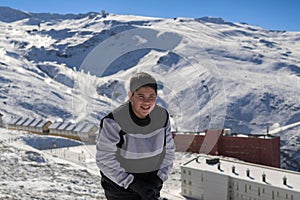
[144,114]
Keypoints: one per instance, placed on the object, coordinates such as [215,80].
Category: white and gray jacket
[128,145]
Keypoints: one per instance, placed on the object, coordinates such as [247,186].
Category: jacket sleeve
[169,158]
[106,153]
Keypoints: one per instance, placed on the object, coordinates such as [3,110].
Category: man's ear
[129,95]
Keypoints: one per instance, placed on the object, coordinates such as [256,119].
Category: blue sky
[269,14]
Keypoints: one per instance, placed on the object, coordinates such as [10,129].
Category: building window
[245,188]
[190,182]
[184,171]
[189,173]
[258,191]
[184,181]
[184,191]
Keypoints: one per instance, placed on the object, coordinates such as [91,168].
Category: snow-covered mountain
[211,73]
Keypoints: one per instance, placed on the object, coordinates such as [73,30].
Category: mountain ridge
[211,73]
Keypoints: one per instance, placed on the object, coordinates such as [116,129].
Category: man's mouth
[145,107]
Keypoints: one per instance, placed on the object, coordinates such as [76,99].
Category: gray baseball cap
[142,79]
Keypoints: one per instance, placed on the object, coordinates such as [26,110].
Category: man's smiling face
[143,101]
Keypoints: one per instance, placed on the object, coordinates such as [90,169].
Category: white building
[82,131]
[87,131]
[39,126]
[216,178]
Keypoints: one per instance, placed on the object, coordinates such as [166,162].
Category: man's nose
[146,100]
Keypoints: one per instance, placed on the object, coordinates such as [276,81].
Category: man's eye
[152,97]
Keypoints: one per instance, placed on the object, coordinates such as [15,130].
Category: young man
[135,148]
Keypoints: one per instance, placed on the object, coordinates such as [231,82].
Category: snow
[211,73]
[45,61]
[27,173]
[61,172]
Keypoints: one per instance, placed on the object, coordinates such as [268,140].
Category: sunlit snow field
[29,173]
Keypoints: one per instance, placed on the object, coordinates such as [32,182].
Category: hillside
[39,174]
[211,73]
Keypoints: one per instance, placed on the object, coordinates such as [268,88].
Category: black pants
[115,192]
